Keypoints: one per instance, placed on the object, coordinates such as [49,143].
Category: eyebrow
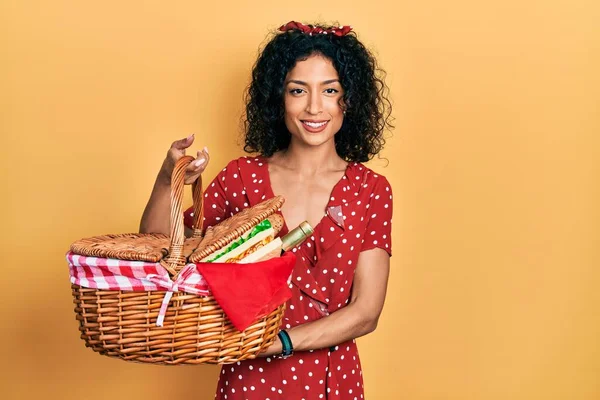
[327,82]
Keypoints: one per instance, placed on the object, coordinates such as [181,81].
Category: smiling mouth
[314,125]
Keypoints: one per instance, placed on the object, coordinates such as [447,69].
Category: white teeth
[315,124]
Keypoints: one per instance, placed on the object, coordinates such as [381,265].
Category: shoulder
[244,163]
[367,179]
[240,164]
[242,172]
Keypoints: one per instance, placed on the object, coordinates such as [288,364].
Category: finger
[206,155]
[196,168]
[197,165]
[183,144]
[191,178]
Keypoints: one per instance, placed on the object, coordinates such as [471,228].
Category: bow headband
[309,29]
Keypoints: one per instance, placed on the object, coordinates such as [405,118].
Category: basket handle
[176,259]
[198,207]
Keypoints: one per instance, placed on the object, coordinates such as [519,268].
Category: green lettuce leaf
[263,226]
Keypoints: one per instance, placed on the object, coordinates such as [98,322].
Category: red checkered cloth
[137,276]
[113,274]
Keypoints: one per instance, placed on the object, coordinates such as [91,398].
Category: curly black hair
[365,99]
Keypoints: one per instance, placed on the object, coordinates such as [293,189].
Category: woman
[315,110]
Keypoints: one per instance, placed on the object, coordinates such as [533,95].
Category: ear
[343,105]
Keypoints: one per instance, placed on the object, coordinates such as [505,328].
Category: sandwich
[258,244]
[270,250]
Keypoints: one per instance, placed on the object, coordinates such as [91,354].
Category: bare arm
[155,218]
[358,318]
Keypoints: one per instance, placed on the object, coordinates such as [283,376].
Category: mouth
[314,126]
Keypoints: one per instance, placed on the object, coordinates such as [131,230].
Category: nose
[315,104]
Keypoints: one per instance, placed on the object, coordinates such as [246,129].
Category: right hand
[193,170]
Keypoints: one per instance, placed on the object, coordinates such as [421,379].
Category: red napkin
[247,292]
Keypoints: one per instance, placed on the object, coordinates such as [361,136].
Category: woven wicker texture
[195,331]
[122,324]
[220,235]
[151,247]
[276,221]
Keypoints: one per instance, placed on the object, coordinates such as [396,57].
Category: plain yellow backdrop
[494,290]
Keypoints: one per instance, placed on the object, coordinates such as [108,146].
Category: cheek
[336,111]
[334,108]
[293,106]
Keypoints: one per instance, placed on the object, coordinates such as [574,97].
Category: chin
[313,139]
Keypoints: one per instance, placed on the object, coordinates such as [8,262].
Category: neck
[309,160]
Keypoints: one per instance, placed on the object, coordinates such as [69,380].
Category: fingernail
[206,149]
[199,162]
[191,136]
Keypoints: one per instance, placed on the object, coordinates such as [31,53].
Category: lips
[314,126]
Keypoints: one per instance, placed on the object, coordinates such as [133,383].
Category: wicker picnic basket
[195,330]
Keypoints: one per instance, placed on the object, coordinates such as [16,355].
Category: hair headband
[310,29]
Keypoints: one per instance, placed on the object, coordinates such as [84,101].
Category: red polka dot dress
[358,217]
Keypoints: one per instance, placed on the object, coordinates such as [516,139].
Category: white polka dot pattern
[359,217]
[379,226]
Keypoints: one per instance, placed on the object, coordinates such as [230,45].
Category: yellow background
[494,292]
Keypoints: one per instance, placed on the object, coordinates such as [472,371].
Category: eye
[331,91]
[296,91]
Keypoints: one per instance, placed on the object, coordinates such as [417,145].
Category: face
[313,93]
